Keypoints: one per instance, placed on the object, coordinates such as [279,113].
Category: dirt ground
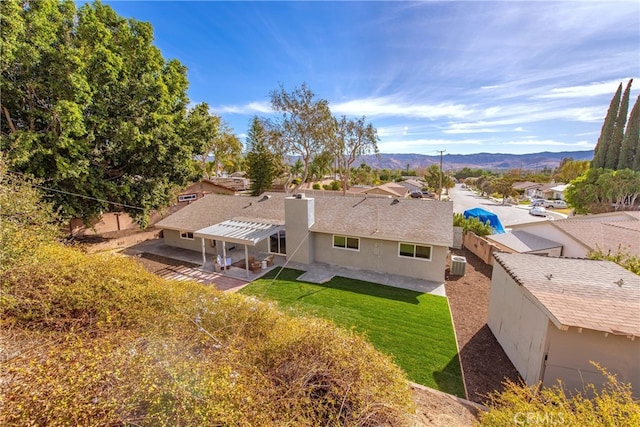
[484,363]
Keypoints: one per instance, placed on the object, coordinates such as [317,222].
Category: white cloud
[386,107]
[591,89]
[249,108]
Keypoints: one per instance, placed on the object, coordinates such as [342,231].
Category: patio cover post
[246,259]
[204,256]
[224,255]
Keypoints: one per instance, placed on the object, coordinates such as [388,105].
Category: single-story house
[557,192]
[388,235]
[525,243]
[199,189]
[390,189]
[546,191]
[527,187]
[580,235]
[412,185]
[554,316]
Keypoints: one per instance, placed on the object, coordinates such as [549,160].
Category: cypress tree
[615,144]
[600,152]
[629,152]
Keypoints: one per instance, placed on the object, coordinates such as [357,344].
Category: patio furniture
[256,266]
[269,260]
[221,262]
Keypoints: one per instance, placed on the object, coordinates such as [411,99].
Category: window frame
[414,256]
[186,235]
[346,242]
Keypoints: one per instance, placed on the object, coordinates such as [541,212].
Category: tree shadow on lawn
[349,285]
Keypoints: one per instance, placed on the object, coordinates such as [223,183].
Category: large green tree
[603,190]
[353,138]
[260,161]
[306,127]
[569,169]
[613,151]
[630,150]
[202,130]
[92,107]
[606,133]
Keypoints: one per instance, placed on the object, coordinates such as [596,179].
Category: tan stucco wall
[571,248]
[172,238]
[381,256]
[480,247]
[107,223]
[570,353]
[518,324]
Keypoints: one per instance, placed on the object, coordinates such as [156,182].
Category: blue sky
[465,77]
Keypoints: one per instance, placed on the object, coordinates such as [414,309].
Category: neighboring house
[199,189]
[412,185]
[528,188]
[580,235]
[553,316]
[396,236]
[545,191]
[525,243]
[390,189]
[558,191]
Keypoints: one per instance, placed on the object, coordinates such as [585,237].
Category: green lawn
[414,328]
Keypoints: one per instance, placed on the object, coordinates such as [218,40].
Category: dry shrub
[96,340]
[61,288]
[519,404]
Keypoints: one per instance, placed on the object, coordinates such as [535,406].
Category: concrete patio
[237,277]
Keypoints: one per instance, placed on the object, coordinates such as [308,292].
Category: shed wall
[518,324]
[570,353]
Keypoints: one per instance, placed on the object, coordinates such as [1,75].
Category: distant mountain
[534,161]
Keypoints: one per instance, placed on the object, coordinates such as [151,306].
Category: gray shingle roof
[582,293]
[607,236]
[523,242]
[416,221]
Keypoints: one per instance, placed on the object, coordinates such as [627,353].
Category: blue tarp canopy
[484,216]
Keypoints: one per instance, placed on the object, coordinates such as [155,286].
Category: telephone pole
[440,193]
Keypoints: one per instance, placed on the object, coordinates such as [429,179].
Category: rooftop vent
[299,195]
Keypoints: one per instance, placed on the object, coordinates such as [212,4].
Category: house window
[411,250]
[278,243]
[186,235]
[345,242]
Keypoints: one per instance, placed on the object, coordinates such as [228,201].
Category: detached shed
[553,316]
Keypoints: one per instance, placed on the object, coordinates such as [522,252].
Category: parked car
[538,211]
[537,202]
[555,204]
[429,194]
[416,195]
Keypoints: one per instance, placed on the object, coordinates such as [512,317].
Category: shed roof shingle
[523,242]
[582,293]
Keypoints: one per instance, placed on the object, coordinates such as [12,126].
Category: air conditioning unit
[458,265]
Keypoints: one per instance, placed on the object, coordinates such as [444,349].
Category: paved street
[509,215]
